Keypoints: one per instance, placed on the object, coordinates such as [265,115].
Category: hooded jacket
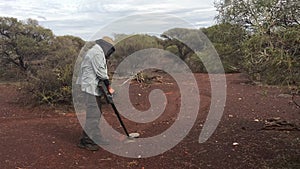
[93,67]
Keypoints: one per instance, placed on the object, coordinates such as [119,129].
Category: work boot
[88,144]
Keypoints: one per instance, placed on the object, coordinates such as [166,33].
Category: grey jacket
[93,68]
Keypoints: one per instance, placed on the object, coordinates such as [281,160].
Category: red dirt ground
[264,124]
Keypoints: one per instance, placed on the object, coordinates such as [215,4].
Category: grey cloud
[88,16]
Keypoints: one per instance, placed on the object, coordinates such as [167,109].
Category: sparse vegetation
[33,55]
[259,38]
[271,44]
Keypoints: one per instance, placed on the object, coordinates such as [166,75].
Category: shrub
[274,58]
[52,80]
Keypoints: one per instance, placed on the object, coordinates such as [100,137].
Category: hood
[106,47]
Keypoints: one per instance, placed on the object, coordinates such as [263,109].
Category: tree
[227,39]
[271,53]
[194,48]
[129,44]
[187,41]
[260,16]
[46,60]
[22,42]
[53,83]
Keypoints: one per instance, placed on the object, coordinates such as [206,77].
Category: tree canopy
[271,46]
[22,42]
[260,16]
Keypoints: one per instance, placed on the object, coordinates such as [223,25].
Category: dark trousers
[93,115]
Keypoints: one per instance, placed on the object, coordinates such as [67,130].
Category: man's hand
[110,90]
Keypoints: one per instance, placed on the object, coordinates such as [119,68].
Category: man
[93,70]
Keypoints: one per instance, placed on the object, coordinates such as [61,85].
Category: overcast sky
[83,18]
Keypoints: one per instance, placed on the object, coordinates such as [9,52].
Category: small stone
[257,120]
[230,115]
[62,114]
[235,144]
[139,156]
[276,118]
[285,96]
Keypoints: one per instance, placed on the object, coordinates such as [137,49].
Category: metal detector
[109,98]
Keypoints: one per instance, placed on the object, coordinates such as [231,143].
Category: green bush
[52,79]
[227,40]
[52,86]
[274,58]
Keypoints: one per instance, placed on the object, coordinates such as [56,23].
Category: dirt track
[259,129]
